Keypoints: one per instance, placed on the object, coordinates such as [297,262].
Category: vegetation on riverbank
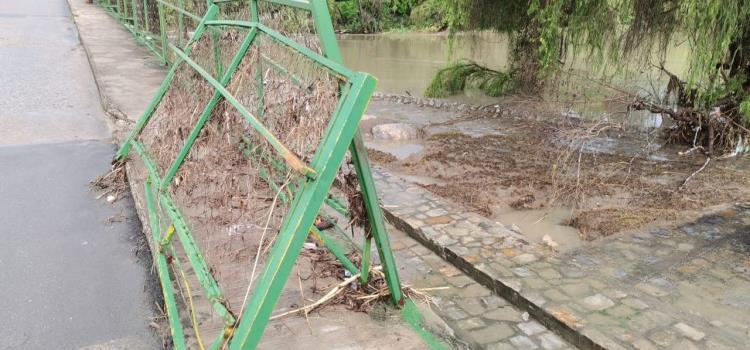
[373,16]
[710,104]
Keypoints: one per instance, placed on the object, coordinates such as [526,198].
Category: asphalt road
[69,279]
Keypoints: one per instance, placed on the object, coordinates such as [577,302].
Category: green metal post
[366,251]
[324,28]
[146,25]
[213,293]
[135,17]
[208,110]
[143,120]
[180,22]
[163,33]
[259,84]
[162,268]
[216,42]
[200,268]
[336,250]
[379,231]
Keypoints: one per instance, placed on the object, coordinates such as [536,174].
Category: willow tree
[714,94]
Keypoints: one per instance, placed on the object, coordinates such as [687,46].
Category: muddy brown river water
[404,63]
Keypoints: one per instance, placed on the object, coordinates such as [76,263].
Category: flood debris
[114,184]
[611,176]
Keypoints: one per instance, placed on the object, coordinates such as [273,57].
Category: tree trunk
[525,60]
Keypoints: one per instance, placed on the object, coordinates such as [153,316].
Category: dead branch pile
[113,184]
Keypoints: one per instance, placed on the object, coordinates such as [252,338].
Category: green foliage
[370,16]
[452,13]
[431,14]
[345,15]
[464,74]
[616,33]
[713,95]
[745,109]
[547,18]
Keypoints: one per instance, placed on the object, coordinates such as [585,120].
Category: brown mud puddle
[608,180]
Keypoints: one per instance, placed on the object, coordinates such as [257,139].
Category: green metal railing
[157,23]
[306,195]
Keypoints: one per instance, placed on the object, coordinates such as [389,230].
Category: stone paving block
[662,337]
[549,341]
[684,345]
[501,346]
[536,298]
[492,333]
[621,311]
[715,345]
[643,344]
[554,294]
[472,306]
[549,274]
[506,313]
[600,319]
[597,302]
[471,323]
[614,293]
[571,272]
[455,313]
[523,343]
[651,289]
[567,316]
[525,258]
[576,289]
[603,340]
[536,283]
[473,291]
[690,332]
[531,327]
[650,319]
[635,303]
[522,272]
[493,301]
[460,281]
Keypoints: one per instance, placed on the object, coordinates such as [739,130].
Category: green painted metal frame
[309,195]
[125,13]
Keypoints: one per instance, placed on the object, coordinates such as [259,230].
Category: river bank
[548,172]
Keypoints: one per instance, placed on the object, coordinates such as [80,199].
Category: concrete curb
[109,107]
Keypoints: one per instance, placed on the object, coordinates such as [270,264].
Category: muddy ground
[613,177]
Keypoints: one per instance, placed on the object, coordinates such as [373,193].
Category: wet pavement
[48,93]
[74,272]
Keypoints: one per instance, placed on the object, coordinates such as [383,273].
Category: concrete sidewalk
[73,270]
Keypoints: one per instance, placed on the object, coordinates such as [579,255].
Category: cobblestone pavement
[681,288]
[477,318]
